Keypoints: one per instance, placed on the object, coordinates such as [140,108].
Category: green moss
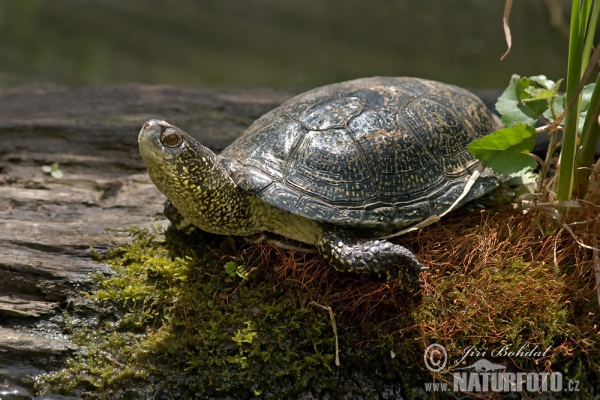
[193,322]
[189,326]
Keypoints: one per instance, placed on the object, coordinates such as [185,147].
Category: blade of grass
[590,32]
[584,21]
[567,155]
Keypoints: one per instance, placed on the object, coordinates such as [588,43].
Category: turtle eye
[171,139]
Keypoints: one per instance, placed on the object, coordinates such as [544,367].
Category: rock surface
[48,226]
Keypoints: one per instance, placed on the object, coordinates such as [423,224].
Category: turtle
[341,168]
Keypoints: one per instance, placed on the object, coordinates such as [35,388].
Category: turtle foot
[177,220]
[378,257]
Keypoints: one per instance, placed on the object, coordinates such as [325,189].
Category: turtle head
[177,163]
[163,143]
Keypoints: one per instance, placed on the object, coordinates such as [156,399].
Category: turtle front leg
[178,221]
[369,256]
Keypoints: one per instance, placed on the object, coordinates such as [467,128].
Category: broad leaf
[546,83]
[508,106]
[506,151]
[559,104]
[586,96]
[525,99]
[535,93]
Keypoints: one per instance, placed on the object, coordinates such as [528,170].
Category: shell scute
[375,152]
[281,196]
[330,114]
[307,206]
[330,166]
[253,177]
[341,215]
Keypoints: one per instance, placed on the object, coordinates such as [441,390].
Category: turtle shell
[367,152]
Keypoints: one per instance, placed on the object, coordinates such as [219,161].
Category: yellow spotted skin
[206,196]
[336,167]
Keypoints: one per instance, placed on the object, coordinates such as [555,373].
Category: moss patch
[205,316]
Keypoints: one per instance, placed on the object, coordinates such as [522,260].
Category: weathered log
[48,226]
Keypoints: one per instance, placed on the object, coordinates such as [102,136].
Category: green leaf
[519,138]
[53,170]
[538,94]
[557,104]
[586,96]
[508,105]
[230,268]
[535,93]
[525,99]
[511,164]
[506,151]
[537,106]
[546,83]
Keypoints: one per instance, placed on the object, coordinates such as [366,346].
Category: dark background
[276,43]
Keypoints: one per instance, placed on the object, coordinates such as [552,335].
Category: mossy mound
[209,317]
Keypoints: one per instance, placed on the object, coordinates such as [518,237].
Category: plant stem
[549,152]
[567,155]
[589,139]
[546,165]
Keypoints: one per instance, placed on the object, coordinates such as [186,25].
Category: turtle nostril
[149,124]
[151,129]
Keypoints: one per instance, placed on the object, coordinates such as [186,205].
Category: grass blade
[567,156]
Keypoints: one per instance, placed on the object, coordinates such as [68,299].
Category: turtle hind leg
[378,257]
